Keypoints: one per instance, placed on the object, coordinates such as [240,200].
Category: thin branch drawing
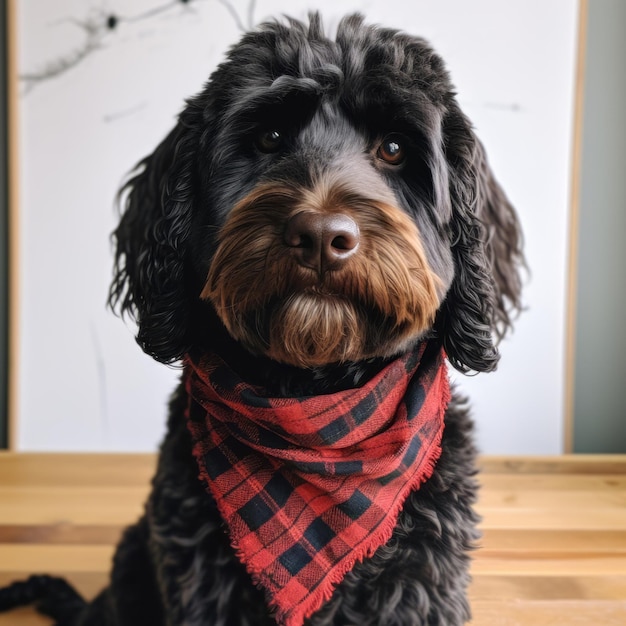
[93,41]
[97,28]
[118,115]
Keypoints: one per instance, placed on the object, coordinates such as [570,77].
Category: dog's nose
[322,242]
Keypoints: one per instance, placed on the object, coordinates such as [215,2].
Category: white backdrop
[95,100]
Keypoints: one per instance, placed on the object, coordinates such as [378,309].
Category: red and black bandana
[309,486]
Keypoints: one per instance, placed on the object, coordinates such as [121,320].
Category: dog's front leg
[202,583]
[132,597]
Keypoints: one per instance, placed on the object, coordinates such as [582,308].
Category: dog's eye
[269,140]
[392,150]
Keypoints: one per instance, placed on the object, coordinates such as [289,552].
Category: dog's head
[322,201]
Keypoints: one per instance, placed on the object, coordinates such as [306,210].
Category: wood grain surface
[553,550]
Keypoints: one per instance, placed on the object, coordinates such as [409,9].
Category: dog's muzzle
[316,276]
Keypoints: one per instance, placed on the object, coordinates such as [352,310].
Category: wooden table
[553,551]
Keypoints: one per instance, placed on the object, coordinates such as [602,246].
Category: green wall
[600,379]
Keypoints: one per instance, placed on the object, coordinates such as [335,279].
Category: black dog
[317,231]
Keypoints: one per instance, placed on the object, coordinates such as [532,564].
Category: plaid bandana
[309,486]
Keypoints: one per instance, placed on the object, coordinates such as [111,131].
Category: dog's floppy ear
[486,246]
[149,277]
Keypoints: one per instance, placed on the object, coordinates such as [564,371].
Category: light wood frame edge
[574,231]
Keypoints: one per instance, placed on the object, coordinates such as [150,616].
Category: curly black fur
[175,566]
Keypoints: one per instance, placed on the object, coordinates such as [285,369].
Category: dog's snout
[322,242]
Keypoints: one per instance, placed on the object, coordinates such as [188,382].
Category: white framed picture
[100,83]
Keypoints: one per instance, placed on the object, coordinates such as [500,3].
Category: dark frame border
[4,229]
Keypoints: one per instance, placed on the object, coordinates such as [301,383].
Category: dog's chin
[309,330]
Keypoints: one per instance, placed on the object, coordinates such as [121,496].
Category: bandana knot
[309,486]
